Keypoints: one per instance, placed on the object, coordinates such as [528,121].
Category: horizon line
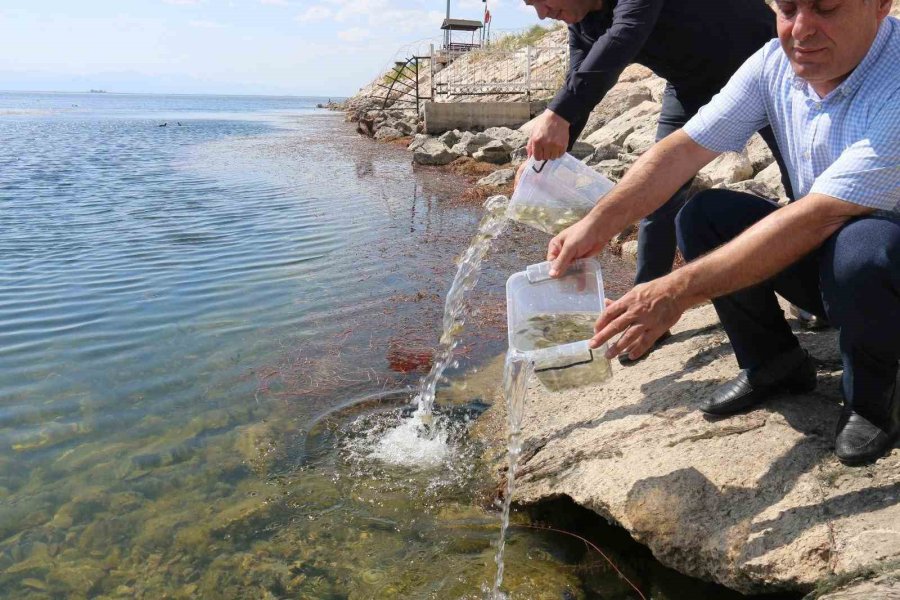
[333,97]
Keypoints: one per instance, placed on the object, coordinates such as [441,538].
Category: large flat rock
[756,502]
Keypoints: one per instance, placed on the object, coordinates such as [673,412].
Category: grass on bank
[529,37]
[404,73]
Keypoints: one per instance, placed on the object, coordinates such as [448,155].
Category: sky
[291,47]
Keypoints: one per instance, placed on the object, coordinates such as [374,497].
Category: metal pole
[447,32]
[417,86]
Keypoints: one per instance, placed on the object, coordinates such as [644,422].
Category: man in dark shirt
[696,45]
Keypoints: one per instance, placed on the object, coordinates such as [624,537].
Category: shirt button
[807,155]
[817,105]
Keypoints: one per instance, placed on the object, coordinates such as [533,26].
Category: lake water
[195,295]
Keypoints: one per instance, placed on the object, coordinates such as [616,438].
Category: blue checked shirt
[845,145]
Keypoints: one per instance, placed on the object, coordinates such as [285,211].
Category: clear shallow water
[178,304]
[182,311]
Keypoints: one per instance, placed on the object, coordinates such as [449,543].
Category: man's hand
[549,137]
[643,314]
[581,240]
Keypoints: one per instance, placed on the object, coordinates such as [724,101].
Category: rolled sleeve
[735,113]
[868,171]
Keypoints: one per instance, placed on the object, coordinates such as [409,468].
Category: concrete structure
[474,116]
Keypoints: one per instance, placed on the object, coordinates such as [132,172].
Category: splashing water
[515,376]
[419,441]
[403,446]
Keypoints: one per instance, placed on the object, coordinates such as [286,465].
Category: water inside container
[555,194]
[551,320]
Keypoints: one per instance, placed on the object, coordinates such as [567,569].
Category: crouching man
[831,92]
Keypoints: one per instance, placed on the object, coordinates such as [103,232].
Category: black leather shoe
[792,371]
[859,441]
[625,361]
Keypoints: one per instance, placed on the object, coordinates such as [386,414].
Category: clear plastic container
[550,322]
[554,194]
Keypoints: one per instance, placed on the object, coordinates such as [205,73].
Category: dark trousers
[656,234]
[853,279]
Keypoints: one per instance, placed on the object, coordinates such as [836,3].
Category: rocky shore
[756,502]
[619,130]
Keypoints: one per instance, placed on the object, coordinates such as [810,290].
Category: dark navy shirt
[696,45]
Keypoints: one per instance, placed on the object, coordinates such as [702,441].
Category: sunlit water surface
[207,306]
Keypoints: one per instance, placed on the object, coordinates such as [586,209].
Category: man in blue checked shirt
[695,45]
[830,89]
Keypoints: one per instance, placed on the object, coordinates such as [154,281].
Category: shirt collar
[856,78]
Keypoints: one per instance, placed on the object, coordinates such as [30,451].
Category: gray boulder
[405,127]
[449,138]
[434,152]
[641,140]
[386,134]
[512,138]
[498,177]
[728,167]
[518,156]
[604,153]
[759,154]
[751,186]
[473,144]
[495,152]
[630,251]
[620,98]
[771,177]
[418,141]
[614,133]
[612,168]
[581,150]
[885,586]
[463,142]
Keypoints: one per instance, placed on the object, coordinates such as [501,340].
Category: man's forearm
[650,182]
[763,250]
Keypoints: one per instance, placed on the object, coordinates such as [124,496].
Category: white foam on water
[411,444]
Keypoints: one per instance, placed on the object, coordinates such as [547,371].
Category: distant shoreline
[182,95]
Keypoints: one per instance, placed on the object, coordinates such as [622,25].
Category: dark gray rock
[434,152]
[499,177]
[496,152]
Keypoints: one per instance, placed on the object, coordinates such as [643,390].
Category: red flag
[487,16]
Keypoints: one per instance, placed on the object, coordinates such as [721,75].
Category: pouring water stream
[491,226]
